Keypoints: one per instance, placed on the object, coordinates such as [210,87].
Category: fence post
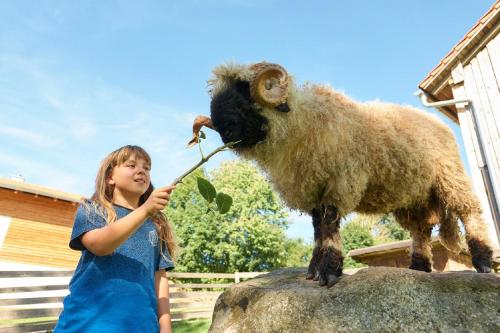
[236,277]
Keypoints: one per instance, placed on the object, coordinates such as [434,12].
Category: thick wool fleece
[363,157]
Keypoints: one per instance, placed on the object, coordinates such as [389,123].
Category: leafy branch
[203,161]
[207,190]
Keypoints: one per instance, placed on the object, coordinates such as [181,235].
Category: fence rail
[31,301]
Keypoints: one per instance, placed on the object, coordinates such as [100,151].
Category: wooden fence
[31,301]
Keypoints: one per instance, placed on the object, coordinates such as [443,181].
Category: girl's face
[131,177]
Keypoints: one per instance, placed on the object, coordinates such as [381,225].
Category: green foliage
[363,231]
[355,235]
[396,232]
[249,237]
[191,326]
[298,253]
[207,190]
[209,193]
[224,202]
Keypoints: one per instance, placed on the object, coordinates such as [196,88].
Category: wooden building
[35,225]
[397,254]
[465,86]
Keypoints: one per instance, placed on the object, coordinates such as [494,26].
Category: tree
[396,232]
[367,230]
[355,234]
[298,253]
[250,237]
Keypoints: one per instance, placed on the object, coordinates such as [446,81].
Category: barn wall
[36,208]
[479,81]
[38,243]
[36,229]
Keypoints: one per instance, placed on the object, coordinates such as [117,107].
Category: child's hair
[102,199]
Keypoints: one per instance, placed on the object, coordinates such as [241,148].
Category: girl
[120,283]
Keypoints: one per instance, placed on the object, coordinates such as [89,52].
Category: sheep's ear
[269,85]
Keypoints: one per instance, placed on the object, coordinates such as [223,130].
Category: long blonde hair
[102,199]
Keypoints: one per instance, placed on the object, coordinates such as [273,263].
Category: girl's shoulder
[91,211]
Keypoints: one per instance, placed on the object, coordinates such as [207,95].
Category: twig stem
[203,161]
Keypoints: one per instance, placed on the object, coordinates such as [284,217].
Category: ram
[328,155]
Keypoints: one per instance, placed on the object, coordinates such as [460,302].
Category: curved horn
[269,85]
[199,122]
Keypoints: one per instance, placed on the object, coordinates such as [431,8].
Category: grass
[184,326]
[191,326]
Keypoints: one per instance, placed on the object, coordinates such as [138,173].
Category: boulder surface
[375,299]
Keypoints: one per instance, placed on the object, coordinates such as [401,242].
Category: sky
[79,79]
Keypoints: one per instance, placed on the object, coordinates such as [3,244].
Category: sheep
[328,155]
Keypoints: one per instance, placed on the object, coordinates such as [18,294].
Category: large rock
[377,299]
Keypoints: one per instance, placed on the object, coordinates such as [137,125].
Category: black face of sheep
[236,109]
[236,117]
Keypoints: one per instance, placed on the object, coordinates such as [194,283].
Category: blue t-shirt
[114,293]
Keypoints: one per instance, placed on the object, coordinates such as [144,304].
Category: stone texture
[376,299]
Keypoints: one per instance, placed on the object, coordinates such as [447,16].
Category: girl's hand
[158,200]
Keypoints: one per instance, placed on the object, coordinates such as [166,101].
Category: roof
[382,248]
[405,245]
[436,84]
[38,190]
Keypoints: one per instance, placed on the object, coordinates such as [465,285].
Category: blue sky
[79,79]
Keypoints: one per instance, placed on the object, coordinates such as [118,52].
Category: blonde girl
[127,245]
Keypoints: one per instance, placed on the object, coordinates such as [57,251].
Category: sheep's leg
[331,259]
[312,271]
[454,192]
[419,222]
[478,243]
[421,254]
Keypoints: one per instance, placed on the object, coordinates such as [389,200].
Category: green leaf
[202,135]
[224,202]
[207,190]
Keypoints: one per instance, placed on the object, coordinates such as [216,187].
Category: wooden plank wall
[482,86]
[31,207]
[479,80]
[39,229]
[38,243]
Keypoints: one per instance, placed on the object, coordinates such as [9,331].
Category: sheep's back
[371,157]
[407,154]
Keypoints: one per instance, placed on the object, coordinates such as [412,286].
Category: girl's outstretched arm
[105,240]
[162,295]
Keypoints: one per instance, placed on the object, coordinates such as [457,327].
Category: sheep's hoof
[420,263]
[332,279]
[420,268]
[482,256]
[314,275]
[322,281]
[330,267]
[483,269]
[329,281]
